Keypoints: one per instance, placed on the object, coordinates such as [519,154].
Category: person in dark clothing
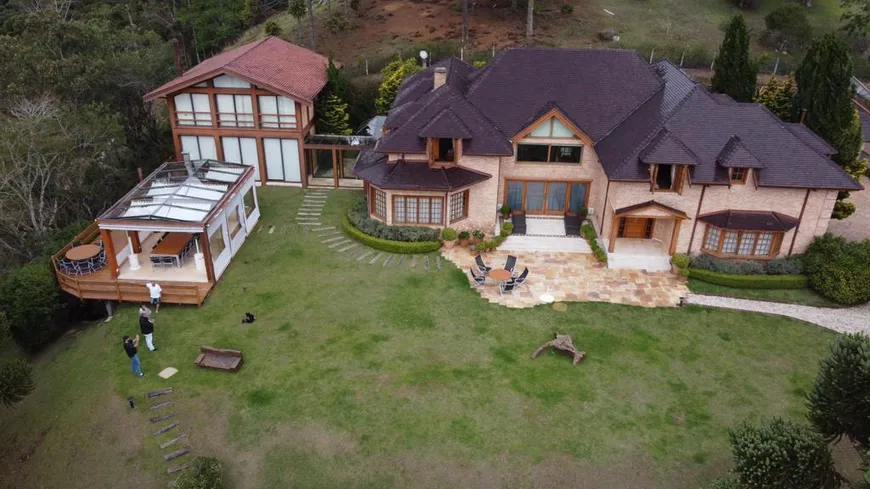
[146,326]
[131,348]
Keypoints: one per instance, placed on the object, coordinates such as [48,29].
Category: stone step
[328,234]
[413,262]
[364,255]
[159,405]
[162,417]
[426,264]
[306,223]
[330,240]
[348,247]
[315,214]
[161,392]
[166,428]
[179,468]
[376,258]
[173,441]
[438,261]
[325,228]
[339,243]
[388,260]
[178,453]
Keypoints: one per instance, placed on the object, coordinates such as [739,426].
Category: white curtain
[226,81]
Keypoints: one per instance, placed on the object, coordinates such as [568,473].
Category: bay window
[417,210]
[736,243]
[458,206]
[378,203]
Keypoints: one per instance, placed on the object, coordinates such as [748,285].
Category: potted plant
[505,212]
[473,250]
[507,227]
[464,236]
[478,235]
[448,236]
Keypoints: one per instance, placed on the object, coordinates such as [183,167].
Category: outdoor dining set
[83,259]
[507,278]
[172,250]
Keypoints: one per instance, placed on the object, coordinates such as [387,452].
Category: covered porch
[545,233]
[179,227]
[643,236]
[329,160]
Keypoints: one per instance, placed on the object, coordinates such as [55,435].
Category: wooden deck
[101,285]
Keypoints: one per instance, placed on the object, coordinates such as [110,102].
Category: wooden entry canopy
[641,211]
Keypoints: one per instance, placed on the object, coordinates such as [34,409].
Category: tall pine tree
[825,91]
[332,114]
[778,96]
[735,72]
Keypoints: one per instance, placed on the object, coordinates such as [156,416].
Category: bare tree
[464,22]
[311,34]
[530,18]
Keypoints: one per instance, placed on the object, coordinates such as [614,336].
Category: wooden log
[161,392]
[162,417]
[159,405]
[172,441]
[179,468]
[176,454]
[167,428]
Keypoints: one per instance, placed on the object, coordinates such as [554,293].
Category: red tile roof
[271,63]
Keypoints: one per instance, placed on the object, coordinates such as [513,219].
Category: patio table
[500,274]
[82,252]
[172,246]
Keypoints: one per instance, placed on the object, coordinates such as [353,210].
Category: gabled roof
[750,220]
[735,155]
[666,149]
[271,63]
[652,204]
[810,138]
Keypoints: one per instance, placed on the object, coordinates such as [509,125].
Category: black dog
[249,318]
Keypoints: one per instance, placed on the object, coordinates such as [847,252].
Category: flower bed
[776,274]
[402,247]
[588,233]
[358,216]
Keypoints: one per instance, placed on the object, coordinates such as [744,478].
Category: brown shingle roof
[665,149]
[750,220]
[735,155]
[271,63]
[374,168]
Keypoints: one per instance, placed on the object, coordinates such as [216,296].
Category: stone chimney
[440,77]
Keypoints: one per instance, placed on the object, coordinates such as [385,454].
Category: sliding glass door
[540,197]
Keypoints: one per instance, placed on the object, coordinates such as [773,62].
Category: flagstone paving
[573,277]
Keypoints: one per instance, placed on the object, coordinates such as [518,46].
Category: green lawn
[806,297]
[364,376]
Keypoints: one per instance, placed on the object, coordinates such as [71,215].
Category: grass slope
[361,376]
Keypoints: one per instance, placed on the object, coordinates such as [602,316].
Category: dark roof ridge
[660,137]
[649,138]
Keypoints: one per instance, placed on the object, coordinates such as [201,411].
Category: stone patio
[574,277]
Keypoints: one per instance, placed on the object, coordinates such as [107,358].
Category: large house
[656,159]
[255,105]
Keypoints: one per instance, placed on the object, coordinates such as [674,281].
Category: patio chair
[518,218]
[506,288]
[511,263]
[481,266]
[572,224]
[521,279]
[479,280]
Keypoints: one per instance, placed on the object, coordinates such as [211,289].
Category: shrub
[507,227]
[16,382]
[589,235]
[505,210]
[725,483]
[464,235]
[271,28]
[449,234]
[793,265]
[402,247]
[680,260]
[839,269]
[839,403]
[337,22]
[392,77]
[31,300]
[788,23]
[783,266]
[780,454]
[567,9]
[478,234]
[750,281]
[358,215]
[204,473]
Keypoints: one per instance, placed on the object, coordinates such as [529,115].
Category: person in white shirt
[155,291]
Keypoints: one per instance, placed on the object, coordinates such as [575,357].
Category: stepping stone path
[161,402]
[311,208]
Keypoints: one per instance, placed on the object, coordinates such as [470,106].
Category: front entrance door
[636,227]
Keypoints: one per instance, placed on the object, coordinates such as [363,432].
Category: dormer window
[550,140]
[667,178]
[553,128]
[442,150]
[739,175]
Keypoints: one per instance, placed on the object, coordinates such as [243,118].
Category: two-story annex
[254,105]
[654,157]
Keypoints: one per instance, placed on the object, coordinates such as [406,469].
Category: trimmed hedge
[401,247]
[589,234]
[839,269]
[792,265]
[750,281]
[358,215]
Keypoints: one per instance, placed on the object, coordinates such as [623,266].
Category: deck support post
[614,229]
[111,257]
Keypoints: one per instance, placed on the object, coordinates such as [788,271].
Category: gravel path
[847,320]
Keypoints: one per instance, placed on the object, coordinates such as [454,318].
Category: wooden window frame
[194,122]
[743,173]
[566,206]
[550,154]
[374,200]
[775,244]
[432,150]
[680,175]
[417,214]
[465,196]
[281,125]
[235,123]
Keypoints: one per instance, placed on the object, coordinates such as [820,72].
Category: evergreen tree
[297,10]
[735,72]
[16,382]
[825,91]
[250,12]
[335,118]
[392,77]
[778,96]
[839,403]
